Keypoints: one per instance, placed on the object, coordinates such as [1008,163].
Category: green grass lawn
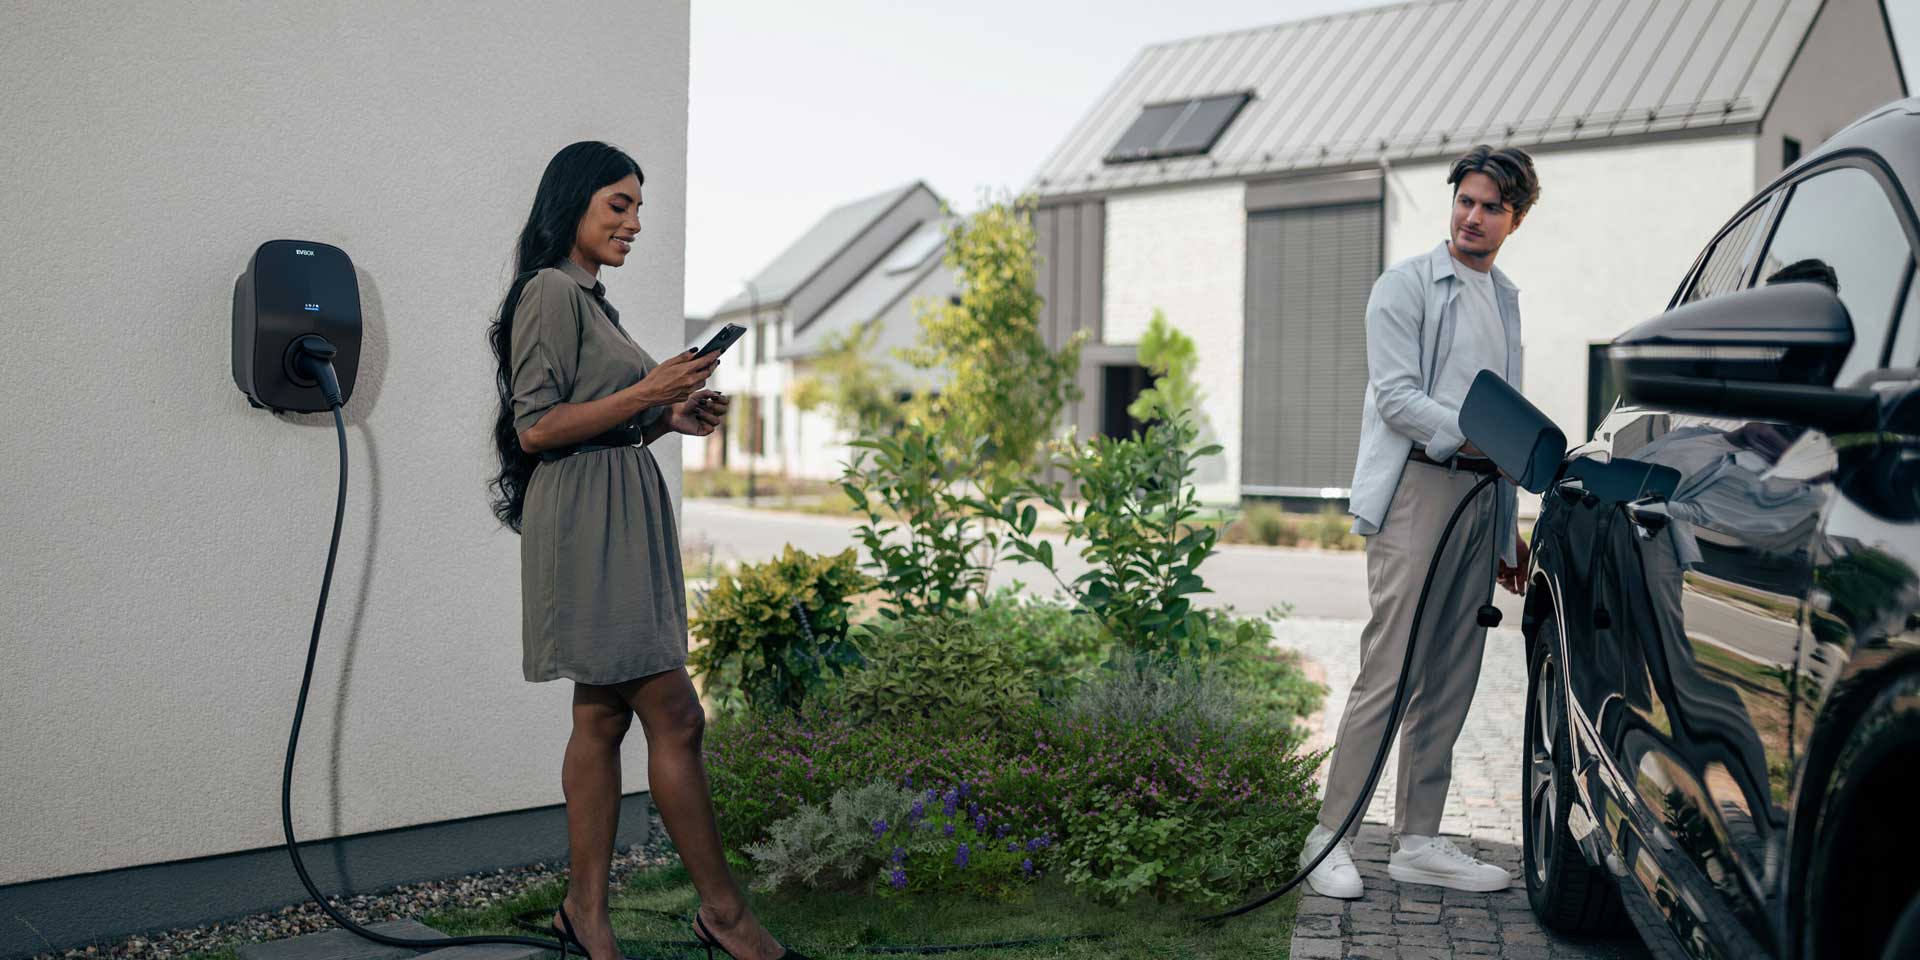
[842,925]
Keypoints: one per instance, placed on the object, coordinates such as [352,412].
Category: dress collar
[580,276]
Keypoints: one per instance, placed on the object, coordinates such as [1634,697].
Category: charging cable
[310,360]
[1489,616]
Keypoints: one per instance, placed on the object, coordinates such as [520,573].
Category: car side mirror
[1766,353]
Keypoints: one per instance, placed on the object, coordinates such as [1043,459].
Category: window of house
[1181,129]
[1789,152]
[1839,228]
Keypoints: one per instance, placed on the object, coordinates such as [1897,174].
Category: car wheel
[1567,893]
[1905,941]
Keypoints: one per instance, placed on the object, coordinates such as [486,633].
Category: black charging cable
[1393,716]
[311,360]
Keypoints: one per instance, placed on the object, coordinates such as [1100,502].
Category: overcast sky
[799,107]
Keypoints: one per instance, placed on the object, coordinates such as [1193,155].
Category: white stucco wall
[1184,251]
[164,542]
[1612,236]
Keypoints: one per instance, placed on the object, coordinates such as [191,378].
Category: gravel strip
[406,902]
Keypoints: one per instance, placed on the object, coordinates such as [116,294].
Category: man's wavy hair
[1511,169]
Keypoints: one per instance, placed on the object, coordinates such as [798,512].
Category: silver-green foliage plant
[835,847]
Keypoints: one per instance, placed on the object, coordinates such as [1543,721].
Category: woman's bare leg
[590,778]
[675,722]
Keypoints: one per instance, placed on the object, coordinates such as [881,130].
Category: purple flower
[960,856]
[1026,867]
[898,880]
[899,854]
[952,802]
[973,809]
[918,812]
[879,827]
[980,823]
[949,830]
[1012,847]
[964,787]
[1000,831]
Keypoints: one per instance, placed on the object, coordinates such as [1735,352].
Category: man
[1434,321]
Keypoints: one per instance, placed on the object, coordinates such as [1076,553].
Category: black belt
[625,435]
[1469,464]
[549,456]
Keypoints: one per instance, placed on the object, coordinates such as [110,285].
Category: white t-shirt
[1479,338]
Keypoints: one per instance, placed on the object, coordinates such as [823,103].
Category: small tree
[1003,383]
[1171,356]
[847,379]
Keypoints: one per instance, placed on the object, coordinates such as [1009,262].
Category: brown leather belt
[1469,464]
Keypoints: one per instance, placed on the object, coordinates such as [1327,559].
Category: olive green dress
[602,599]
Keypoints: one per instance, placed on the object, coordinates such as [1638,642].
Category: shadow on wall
[364,476]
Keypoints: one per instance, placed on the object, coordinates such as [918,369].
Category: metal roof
[1431,78]
[816,248]
[870,298]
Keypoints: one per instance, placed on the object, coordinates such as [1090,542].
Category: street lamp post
[753,368]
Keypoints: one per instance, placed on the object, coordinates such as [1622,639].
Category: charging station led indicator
[314,307]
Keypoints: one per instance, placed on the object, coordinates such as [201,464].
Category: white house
[1254,184]
[874,260]
[164,541]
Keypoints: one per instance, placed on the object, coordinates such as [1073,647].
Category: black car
[1723,621]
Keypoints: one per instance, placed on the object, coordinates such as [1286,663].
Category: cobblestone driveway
[1482,816]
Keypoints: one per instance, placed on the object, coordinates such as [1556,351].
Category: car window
[1723,271]
[1839,229]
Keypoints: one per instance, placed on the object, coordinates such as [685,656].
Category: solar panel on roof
[1182,129]
[1143,138]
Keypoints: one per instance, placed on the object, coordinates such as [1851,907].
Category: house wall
[1844,68]
[1613,233]
[164,541]
[1184,251]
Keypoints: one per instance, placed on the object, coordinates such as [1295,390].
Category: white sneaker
[1436,861]
[1336,876]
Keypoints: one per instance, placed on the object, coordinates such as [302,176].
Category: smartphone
[722,340]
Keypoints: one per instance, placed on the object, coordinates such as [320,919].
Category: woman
[603,602]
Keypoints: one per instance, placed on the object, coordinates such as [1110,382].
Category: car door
[1712,598]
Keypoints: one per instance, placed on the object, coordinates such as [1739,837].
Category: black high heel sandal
[707,939]
[567,935]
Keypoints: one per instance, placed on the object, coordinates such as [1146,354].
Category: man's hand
[698,415]
[1515,578]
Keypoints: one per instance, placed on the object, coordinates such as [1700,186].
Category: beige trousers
[1446,665]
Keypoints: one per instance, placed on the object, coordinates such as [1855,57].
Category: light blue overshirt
[1410,327]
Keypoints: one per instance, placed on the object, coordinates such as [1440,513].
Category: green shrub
[1183,854]
[1056,641]
[904,481]
[936,666]
[773,633]
[1136,522]
[1332,528]
[1041,775]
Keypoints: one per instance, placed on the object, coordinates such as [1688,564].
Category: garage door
[1309,271]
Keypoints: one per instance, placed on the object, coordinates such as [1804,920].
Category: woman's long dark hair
[573,176]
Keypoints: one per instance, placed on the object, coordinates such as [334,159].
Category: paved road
[1319,583]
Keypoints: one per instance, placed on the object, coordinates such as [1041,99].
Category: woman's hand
[676,378]
[699,414]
